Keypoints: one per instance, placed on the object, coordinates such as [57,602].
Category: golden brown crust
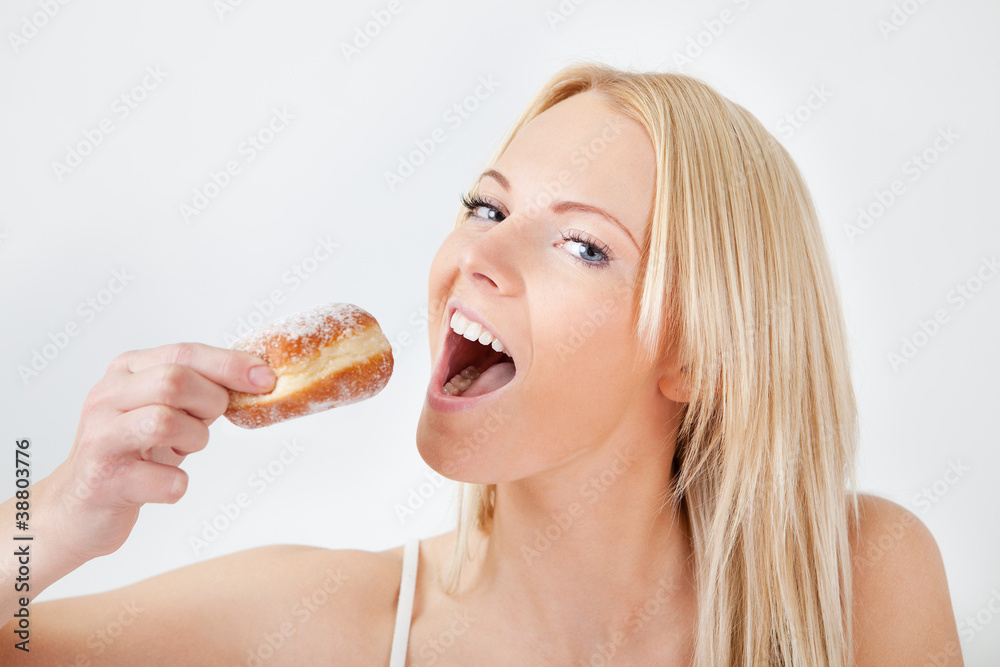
[325,327]
[324,357]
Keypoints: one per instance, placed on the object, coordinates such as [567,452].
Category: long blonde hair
[735,273]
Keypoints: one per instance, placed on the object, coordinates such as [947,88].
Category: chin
[461,455]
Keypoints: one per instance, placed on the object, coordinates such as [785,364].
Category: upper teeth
[463,326]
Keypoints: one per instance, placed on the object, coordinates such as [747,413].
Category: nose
[492,260]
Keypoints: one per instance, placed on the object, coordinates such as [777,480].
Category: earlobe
[674,384]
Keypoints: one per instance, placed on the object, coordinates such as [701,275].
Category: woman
[656,473]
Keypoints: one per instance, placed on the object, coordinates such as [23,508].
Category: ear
[674,382]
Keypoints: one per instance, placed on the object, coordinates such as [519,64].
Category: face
[546,262]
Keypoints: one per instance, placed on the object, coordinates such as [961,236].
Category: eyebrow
[560,206]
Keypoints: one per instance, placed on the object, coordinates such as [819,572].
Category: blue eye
[581,246]
[590,254]
[586,249]
[474,204]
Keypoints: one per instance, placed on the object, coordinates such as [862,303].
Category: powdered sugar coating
[309,329]
[309,344]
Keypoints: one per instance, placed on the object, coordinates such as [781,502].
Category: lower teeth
[461,382]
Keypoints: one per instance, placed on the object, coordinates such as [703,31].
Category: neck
[585,554]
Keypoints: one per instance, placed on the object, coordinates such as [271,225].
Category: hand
[139,422]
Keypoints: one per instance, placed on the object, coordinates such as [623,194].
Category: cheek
[582,382]
[590,348]
[444,259]
[443,271]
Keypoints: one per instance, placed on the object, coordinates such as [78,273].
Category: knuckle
[94,400]
[199,436]
[218,403]
[230,366]
[172,383]
[182,353]
[160,423]
[120,363]
[97,476]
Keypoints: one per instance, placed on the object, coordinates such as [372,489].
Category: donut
[324,357]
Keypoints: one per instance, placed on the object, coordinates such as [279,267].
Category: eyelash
[472,202]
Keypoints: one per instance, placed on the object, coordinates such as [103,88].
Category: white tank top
[404,608]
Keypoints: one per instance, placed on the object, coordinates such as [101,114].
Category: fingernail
[179,486]
[262,376]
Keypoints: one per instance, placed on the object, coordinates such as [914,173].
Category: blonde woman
[641,373]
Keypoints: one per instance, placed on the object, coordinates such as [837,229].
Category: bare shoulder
[902,606]
[337,602]
[278,605]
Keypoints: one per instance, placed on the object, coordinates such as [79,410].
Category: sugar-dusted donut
[323,357]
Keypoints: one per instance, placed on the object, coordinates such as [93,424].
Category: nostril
[485,267]
[484,277]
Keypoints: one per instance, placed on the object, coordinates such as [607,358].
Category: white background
[886,94]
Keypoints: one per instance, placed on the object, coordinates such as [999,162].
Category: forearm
[33,554]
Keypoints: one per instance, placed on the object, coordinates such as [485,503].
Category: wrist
[53,544]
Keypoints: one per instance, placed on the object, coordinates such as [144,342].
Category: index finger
[233,369]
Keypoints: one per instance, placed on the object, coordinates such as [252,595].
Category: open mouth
[472,367]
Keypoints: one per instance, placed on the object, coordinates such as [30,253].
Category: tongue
[491,379]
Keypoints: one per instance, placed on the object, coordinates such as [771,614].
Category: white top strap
[404,608]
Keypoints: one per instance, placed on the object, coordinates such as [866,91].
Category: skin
[582,412]
[581,453]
